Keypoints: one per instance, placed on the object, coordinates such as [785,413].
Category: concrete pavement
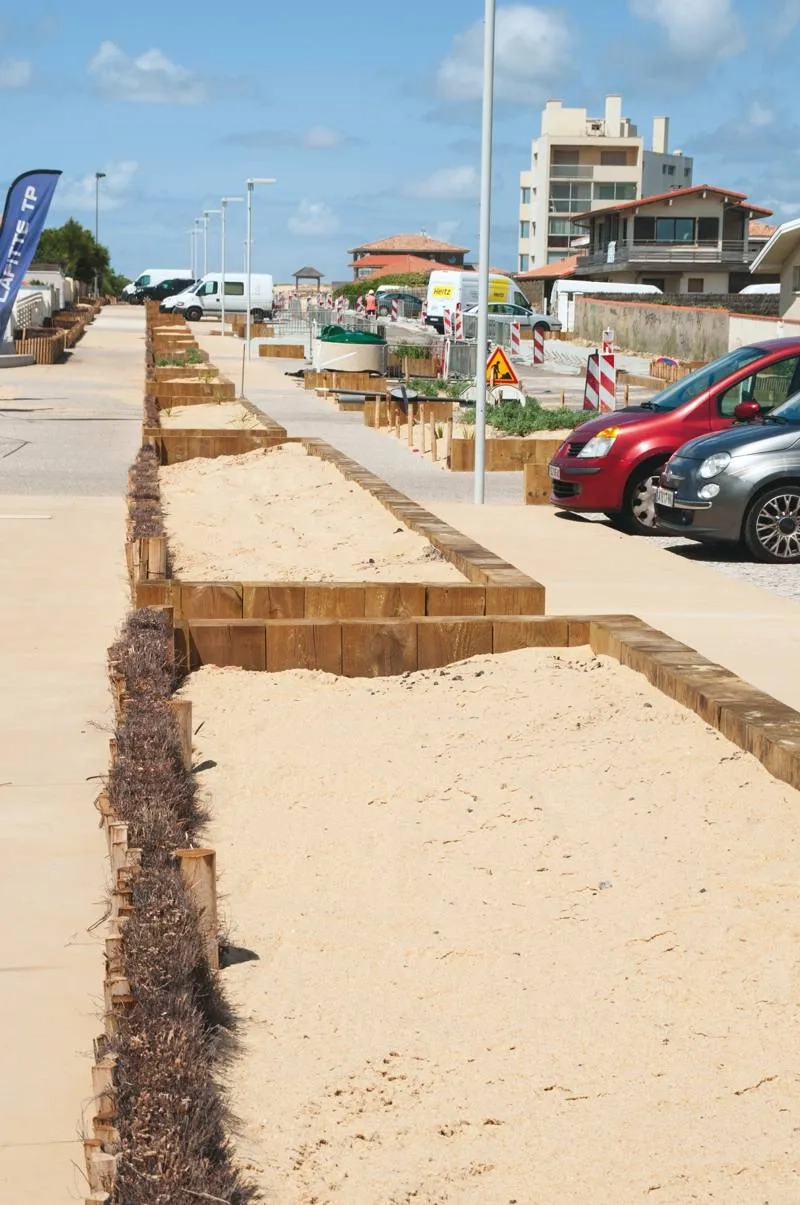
[62,595]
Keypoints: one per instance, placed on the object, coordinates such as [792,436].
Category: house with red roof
[405,253]
[701,239]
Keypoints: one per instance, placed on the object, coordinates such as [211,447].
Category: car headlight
[600,444]
[715,464]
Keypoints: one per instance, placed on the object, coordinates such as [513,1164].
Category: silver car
[741,485]
[505,311]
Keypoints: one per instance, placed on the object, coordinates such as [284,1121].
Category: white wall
[751,329]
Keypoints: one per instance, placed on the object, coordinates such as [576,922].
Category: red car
[612,463]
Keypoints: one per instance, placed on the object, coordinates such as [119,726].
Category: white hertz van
[154,276]
[446,290]
[204,299]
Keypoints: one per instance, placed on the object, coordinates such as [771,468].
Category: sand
[280,515]
[215,416]
[526,932]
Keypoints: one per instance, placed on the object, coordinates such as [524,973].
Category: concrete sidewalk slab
[63,592]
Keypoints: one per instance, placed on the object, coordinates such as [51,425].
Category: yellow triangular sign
[499,370]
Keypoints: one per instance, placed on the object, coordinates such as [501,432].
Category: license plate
[665,497]
[555,472]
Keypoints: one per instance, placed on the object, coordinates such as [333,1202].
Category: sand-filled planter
[507,951]
[222,416]
[282,515]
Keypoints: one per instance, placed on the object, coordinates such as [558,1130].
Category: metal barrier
[499,332]
[462,360]
[29,311]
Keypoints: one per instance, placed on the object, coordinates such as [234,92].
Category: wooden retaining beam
[337,600]
[282,351]
[508,455]
[536,484]
[176,444]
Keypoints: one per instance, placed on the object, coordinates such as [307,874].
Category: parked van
[446,290]
[205,298]
[562,299]
[154,276]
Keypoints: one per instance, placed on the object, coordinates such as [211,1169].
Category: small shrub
[512,418]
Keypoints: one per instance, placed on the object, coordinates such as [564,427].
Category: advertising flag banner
[24,217]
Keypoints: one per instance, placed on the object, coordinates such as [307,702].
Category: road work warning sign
[499,370]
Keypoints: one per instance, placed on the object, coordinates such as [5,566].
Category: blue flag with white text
[24,217]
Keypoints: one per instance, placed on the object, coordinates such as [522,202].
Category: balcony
[670,255]
[571,171]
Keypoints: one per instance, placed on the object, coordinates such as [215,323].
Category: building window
[524,230]
[614,158]
[668,169]
[796,279]
[687,171]
[707,230]
[525,196]
[570,198]
[674,230]
[523,263]
[565,154]
[615,192]
[696,284]
[555,257]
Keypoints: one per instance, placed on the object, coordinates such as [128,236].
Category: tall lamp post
[192,232]
[208,214]
[225,202]
[98,176]
[251,183]
[483,253]
[198,222]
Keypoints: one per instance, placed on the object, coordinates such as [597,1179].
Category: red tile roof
[738,197]
[381,264]
[409,243]
[565,267]
[762,230]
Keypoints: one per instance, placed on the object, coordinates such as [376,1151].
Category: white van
[446,290]
[154,276]
[204,299]
[562,299]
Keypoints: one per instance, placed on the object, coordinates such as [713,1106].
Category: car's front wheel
[638,514]
[772,526]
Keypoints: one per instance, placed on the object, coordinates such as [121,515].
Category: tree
[357,288]
[75,249]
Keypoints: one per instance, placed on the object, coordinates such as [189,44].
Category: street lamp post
[198,222]
[98,176]
[208,214]
[192,235]
[225,202]
[483,253]
[251,183]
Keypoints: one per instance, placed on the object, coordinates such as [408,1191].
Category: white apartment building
[580,162]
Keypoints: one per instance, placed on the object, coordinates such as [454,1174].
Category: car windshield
[702,379]
[789,412]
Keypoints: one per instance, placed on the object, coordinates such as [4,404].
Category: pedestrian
[371,304]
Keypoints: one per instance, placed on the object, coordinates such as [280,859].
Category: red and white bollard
[600,390]
[515,340]
[538,345]
[459,325]
[395,309]
[447,324]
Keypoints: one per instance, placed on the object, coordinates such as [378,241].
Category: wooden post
[423,418]
[182,711]
[627,393]
[152,557]
[433,432]
[199,871]
[563,399]
[410,424]
[450,435]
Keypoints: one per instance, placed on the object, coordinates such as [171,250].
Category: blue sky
[368,114]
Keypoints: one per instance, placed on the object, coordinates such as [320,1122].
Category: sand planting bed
[526,932]
[281,515]
[228,416]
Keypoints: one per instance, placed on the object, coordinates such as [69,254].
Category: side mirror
[746,412]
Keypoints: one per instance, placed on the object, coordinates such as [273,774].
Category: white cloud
[322,138]
[532,49]
[15,73]
[78,193]
[787,19]
[695,29]
[447,184]
[758,116]
[313,218]
[151,78]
